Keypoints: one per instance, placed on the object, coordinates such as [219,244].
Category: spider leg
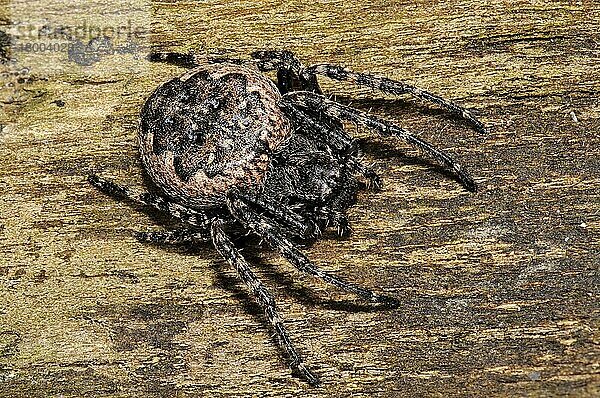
[318,128]
[186,215]
[289,70]
[393,87]
[298,225]
[191,60]
[373,180]
[334,136]
[336,218]
[175,237]
[265,228]
[227,250]
[318,102]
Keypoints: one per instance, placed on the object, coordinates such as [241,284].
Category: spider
[229,151]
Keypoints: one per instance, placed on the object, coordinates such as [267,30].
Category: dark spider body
[219,127]
[230,151]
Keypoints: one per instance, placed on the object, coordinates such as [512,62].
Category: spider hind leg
[144,198]
[394,87]
[174,237]
[180,59]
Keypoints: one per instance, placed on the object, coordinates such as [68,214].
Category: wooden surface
[500,288]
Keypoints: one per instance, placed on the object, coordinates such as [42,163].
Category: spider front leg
[393,87]
[291,74]
[271,232]
[333,135]
[227,250]
[312,101]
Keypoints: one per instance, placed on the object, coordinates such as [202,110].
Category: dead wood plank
[500,288]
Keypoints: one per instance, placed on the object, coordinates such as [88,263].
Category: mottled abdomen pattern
[210,130]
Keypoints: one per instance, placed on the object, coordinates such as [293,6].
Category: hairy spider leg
[185,60]
[295,223]
[288,67]
[223,245]
[186,215]
[289,70]
[268,230]
[373,180]
[314,125]
[334,136]
[191,60]
[227,250]
[335,218]
[308,100]
[174,237]
[393,87]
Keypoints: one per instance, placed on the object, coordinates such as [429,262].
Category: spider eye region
[209,130]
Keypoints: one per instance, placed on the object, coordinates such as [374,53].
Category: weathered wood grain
[500,288]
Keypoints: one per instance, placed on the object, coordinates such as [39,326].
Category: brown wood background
[500,288]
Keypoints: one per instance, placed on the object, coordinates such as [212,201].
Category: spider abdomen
[210,130]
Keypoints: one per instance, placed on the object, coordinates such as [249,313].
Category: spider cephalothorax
[230,151]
